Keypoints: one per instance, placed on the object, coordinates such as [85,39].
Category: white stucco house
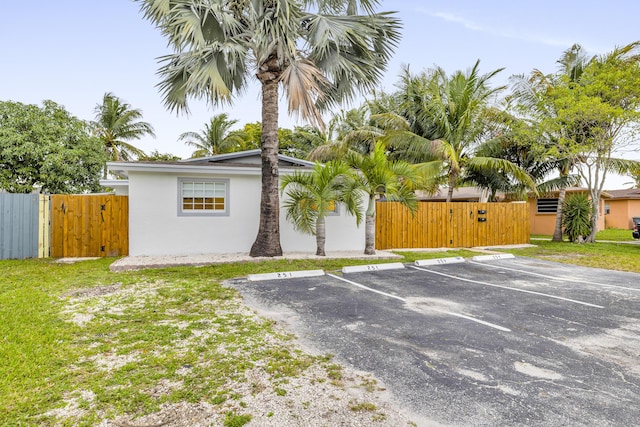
[211,205]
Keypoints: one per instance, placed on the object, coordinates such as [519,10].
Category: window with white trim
[547,205]
[203,197]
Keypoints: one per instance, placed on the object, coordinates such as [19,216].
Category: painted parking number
[284,275]
[373,267]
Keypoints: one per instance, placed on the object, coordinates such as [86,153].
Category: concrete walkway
[142,262]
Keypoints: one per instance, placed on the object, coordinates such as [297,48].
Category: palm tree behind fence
[116,123]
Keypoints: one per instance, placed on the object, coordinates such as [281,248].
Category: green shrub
[576,216]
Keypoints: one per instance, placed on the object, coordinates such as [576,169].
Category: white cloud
[498,32]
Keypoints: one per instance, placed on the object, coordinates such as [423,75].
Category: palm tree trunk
[595,216]
[557,232]
[321,235]
[452,186]
[267,242]
[370,227]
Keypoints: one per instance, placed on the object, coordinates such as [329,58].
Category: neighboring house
[212,205]
[621,208]
[543,210]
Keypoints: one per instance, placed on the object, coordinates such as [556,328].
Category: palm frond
[305,86]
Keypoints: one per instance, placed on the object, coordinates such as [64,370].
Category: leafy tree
[253,135]
[115,124]
[320,52]
[532,98]
[156,156]
[313,195]
[597,114]
[47,149]
[295,143]
[215,138]
[379,177]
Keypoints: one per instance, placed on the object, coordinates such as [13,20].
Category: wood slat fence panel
[89,225]
[451,225]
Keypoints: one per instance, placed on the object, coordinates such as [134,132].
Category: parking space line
[564,279]
[404,300]
[507,287]
[351,282]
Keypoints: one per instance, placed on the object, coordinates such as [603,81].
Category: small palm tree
[379,177]
[312,196]
[117,123]
[215,138]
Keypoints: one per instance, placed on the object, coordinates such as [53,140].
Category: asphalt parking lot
[477,342]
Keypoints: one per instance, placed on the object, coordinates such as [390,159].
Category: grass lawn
[614,256]
[80,344]
[610,234]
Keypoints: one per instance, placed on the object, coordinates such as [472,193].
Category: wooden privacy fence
[451,225]
[89,225]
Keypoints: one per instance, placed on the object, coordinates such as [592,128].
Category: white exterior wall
[156,229]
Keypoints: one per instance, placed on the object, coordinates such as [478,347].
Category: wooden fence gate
[451,225]
[89,225]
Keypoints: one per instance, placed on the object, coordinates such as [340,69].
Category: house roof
[242,162]
[248,157]
[631,193]
[461,193]
[554,194]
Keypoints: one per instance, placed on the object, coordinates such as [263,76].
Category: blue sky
[73,51]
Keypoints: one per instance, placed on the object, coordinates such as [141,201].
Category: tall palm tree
[379,177]
[320,52]
[215,138]
[517,141]
[313,195]
[440,121]
[115,124]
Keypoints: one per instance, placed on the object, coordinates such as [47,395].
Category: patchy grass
[80,344]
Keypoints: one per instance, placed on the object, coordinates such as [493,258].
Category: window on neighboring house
[607,209]
[203,197]
[547,205]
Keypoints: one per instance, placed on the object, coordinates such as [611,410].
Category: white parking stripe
[561,279]
[482,322]
[367,288]
[507,287]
